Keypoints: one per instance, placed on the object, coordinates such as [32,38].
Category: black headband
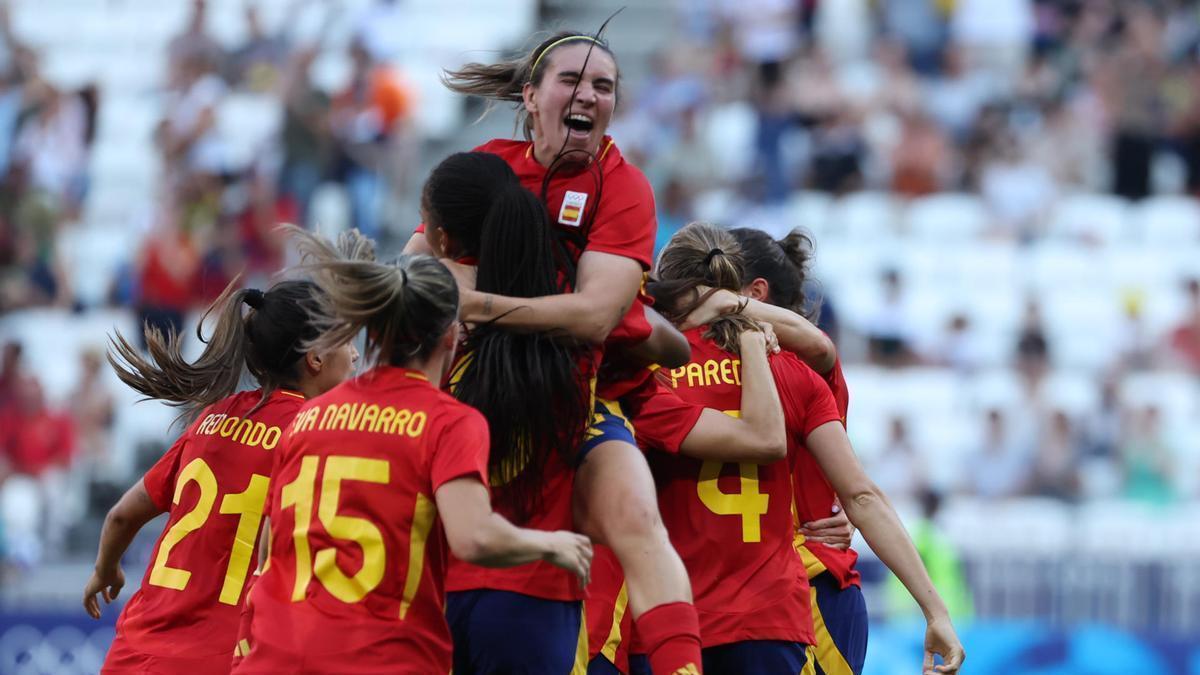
[253,297]
[712,254]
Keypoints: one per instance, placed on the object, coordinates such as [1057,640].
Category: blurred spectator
[381,29]
[38,443]
[51,149]
[1185,337]
[672,214]
[958,347]
[918,24]
[187,133]
[999,468]
[899,470]
[194,42]
[306,139]
[256,64]
[1018,190]
[1033,347]
[1134,347]
[890,328]
[1148,459]
[168,266]
[921,161]
[92,410]
[1055,466]
[996,34]
[941,560]
[1133,81]
[367,117]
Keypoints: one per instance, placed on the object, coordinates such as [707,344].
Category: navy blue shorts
[755,657]
[602,666]
[503,632]
[840,624]
[608,424]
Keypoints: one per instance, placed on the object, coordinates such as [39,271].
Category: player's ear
[759,289]
[529,95]
[313,362]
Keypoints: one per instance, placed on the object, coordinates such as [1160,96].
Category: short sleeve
[634,327]
[460,449]
[626,224]
[806,399]
[661,419]
[160,479]
[836,381]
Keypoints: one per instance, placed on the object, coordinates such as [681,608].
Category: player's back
[213,482]
[731,523]
[358,556]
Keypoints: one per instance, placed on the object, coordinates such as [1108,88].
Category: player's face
[566,121]
[336,366]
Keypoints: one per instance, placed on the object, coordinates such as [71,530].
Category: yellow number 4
[749,503]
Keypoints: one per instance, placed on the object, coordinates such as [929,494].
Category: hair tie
[253,297]
[556,43]
[712,254]
[403,277]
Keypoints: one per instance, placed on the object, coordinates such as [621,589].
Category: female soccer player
[685,264]
[213,480]
[374,480]
[476,210]
[775,274]
[602,209]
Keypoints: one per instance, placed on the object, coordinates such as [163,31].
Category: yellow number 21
[247,505]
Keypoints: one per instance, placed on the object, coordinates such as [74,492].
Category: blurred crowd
[1016,101]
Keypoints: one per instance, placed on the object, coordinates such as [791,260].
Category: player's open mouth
[578,125]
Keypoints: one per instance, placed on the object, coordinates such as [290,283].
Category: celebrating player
[603,213]
[866,506]
[213,481]
[475,210]
[374,480]
[775,274]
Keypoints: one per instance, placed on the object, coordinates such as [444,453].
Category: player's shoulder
[452,411]
[619,169]
[787,364]
[504,147]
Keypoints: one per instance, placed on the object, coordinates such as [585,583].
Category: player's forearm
[499,543]
[115,537]
[796,334]
[666,346]
[871,513]
[573,313]
[762,413]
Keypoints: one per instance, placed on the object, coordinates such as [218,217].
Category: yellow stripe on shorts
[829,657]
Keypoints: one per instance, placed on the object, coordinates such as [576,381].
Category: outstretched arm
[122,523]
[870,511]
[480,536]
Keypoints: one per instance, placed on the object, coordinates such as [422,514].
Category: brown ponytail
[701,254]
[405,306]
[267,341]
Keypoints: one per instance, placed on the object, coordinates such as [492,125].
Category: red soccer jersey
[623,223]
[358,556]
[732,523]
[213,482]
[815,498]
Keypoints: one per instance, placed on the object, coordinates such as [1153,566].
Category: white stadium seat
[946,218]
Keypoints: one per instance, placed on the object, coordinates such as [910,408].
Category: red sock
[670,636]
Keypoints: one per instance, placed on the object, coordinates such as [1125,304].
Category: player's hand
[769,337]
[572,552]
[941,639]
[714,307]
[107,584]
[836,531]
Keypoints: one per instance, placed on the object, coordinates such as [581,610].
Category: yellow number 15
[349,589]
